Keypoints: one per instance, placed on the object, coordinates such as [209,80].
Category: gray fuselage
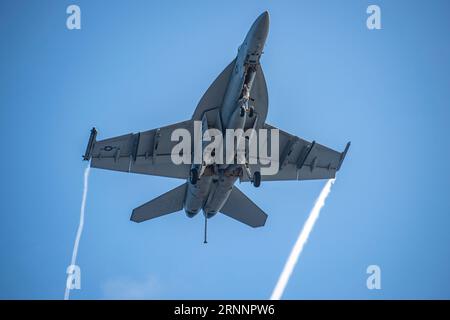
[213,189]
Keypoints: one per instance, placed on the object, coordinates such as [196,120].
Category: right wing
[146,152]
[301,160]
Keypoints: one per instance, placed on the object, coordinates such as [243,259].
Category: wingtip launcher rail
[90,145]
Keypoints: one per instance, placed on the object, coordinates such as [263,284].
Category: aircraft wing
[301,160]
[146,152]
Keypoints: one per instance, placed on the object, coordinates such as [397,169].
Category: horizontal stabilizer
[169,202]
[242,209]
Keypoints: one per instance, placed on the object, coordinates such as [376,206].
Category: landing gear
[251,111]
[242,113]
[193,176]
[256,179]
[244,109]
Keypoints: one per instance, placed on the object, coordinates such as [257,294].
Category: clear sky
[137,65]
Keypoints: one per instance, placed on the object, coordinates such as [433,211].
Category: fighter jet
[237,99]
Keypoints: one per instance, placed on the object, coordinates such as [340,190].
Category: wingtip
[90,145]
[343,154]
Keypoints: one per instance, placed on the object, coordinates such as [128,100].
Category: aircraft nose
[257,35]
[265,17]
[262,26]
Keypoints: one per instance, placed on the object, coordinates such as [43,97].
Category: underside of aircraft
[237,99]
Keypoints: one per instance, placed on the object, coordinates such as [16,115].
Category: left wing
[146,152]
[301,160]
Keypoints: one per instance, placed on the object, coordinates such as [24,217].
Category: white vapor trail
[301,240]
[80,225]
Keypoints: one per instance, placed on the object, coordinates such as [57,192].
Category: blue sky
[139,65]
